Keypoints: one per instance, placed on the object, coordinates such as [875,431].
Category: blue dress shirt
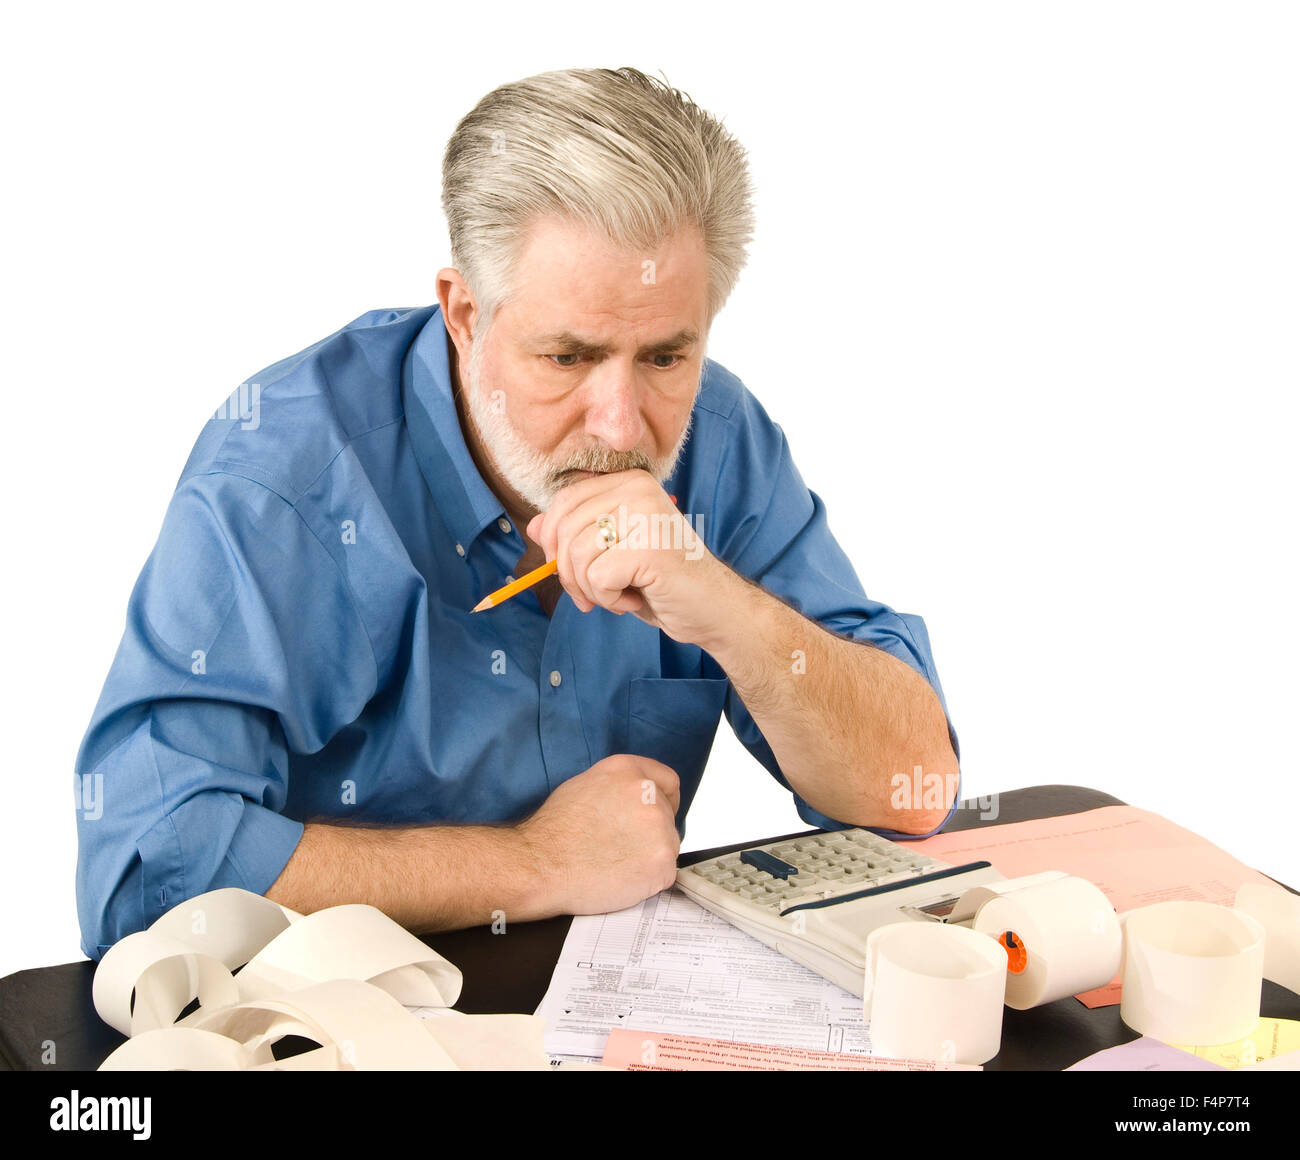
[299,644]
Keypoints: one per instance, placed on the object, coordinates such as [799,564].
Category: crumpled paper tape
[342,977]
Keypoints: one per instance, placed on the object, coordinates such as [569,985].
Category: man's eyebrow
[562,342]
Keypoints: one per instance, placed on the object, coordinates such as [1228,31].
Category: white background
[1024,297]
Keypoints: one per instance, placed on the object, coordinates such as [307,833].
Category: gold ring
[605,532]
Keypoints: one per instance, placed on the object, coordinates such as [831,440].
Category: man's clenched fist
[608,836]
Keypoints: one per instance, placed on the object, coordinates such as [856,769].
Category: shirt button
[504,525]
[555,678]
[460,549]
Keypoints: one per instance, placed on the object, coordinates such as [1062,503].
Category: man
[305,704]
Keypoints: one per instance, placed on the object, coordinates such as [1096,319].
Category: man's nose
[614,410]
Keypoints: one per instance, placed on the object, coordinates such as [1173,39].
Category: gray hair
[610,148]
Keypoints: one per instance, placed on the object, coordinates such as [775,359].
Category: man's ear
[459,309]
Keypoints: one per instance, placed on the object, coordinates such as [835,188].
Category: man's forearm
[842,718]
[426,878]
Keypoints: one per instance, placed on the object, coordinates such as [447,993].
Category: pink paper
[631,1050]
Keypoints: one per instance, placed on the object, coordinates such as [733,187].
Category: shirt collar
[466,502]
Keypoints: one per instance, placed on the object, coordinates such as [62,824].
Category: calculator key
[768,863]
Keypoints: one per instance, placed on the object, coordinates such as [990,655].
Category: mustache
[603,459]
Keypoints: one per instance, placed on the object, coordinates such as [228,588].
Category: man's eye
[568,361]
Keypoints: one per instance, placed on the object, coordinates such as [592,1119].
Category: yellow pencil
[526,581]
[516,586]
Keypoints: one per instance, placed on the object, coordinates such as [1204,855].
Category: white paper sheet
[667,964]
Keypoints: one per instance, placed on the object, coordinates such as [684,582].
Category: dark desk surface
[54,1003]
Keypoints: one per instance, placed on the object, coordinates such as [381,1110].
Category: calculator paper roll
[1278,912]
[1071,936]
[1193,972]
[933,991]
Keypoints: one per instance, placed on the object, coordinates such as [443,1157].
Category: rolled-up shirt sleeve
[242,644]
[774,531]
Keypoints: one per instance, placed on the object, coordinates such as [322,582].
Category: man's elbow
[917,822]
[921,799]
[905,811]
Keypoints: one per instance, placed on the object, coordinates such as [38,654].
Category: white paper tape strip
[231,925]
[322,1059]
[1192,972]
[163,975]
[493,1042]
[1065,938]
[371,1029]
[183,1049]
[352,942]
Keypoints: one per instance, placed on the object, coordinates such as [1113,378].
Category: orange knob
[1017,956]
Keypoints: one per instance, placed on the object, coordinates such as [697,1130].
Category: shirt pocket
[674,721]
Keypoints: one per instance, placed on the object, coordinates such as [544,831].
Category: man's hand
[608,836]
[659,568]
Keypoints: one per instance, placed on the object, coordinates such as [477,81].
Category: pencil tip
[483,604]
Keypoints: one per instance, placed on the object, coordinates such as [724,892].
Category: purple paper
[1145,1054]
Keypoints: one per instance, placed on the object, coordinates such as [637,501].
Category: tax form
[669,965]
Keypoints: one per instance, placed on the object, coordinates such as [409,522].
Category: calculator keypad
[828,865]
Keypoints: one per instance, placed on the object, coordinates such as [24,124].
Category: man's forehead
[573,282]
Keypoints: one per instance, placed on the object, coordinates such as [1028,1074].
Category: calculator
[817,896]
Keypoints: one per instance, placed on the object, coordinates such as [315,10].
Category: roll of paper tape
[933,991]
[1062,937]
[1192,972]
[963,913]
[1278,911]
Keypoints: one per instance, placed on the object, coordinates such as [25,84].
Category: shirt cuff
[262,845]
